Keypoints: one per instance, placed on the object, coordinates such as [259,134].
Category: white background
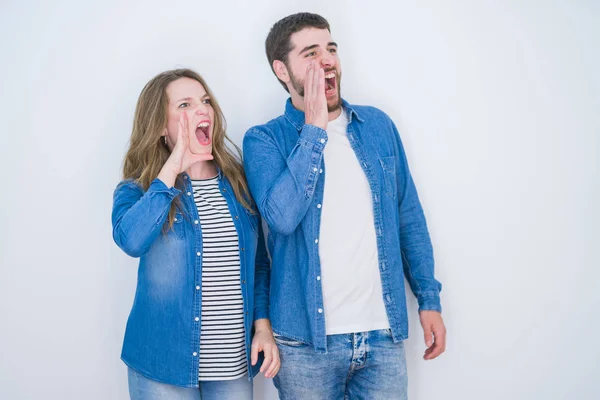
[498,105]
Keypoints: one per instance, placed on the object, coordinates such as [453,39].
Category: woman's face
[188,96]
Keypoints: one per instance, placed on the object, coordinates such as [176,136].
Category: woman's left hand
[263,341]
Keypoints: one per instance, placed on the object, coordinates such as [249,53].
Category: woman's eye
[184,105]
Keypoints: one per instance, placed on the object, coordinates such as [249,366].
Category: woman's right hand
[181,157]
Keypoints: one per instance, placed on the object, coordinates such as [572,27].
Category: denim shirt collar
[297,119]
[219,174]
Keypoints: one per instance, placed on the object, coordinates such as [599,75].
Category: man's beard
[298,85]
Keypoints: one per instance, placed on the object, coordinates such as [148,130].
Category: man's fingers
[308,84]
[321,84]
[440,335]
[315,83]
[439,346]
[433,352]
[428,335]
[321,91]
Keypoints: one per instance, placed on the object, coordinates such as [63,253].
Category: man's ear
[281,71]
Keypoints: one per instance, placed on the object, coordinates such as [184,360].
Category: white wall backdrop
[498,104]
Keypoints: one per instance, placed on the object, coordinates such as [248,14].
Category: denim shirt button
[196,319]
[198,254]
[236,217]
[196,222]
[320,171]
[315,169]
[318,278]
[189,193]
[316,240]
[197,287]
[322,140]
[194,354]
[320,310]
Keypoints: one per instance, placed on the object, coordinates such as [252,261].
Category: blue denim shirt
[286,174]
[162,339]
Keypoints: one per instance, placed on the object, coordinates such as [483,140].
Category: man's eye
[184,105]
[206,101]
[333,51]
[312,53]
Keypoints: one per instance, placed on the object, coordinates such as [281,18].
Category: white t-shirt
[350,279]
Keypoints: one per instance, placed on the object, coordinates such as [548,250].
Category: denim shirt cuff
[430,302]
[314,137]
[260,313]
[158,186]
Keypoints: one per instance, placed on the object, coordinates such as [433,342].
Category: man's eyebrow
[312,46]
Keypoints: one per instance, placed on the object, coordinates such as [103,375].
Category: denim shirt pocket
[178,226]
[388,165]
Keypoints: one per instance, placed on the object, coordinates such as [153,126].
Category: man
[346,226]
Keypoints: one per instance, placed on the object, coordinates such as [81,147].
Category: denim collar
[297,119]
[186,177]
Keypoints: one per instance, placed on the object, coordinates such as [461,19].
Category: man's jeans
[365,365]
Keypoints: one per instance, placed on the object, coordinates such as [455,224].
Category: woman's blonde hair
[148,153]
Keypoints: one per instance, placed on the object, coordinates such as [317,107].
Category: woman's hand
[181,157]
[263,341]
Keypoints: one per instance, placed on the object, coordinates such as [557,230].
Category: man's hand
[315,102]
[435,333]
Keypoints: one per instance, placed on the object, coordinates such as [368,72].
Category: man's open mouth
[330,83]
[203,133]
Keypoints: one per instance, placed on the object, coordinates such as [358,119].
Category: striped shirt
[222,335]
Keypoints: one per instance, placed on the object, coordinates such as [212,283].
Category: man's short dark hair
[278,44]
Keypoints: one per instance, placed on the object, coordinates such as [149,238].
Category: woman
[199,318]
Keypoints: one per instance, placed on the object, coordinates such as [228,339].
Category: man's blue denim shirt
[285,169]
[162,339]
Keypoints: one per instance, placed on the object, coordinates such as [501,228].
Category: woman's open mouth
[203,133]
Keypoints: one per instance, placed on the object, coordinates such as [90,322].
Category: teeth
[203,125]
[331,75]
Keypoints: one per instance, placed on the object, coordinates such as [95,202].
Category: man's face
[315,45]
